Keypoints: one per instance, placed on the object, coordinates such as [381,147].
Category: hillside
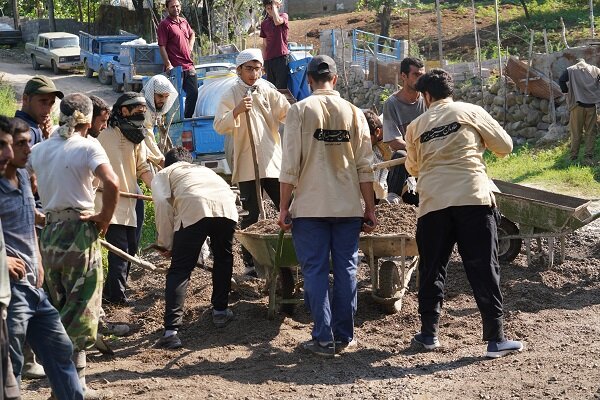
[457,27]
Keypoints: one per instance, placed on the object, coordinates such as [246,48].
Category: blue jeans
[317,240]
[32,318]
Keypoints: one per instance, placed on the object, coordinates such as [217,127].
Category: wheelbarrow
[529,213]
[276,253]
[388,283]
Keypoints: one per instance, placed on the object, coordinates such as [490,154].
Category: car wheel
[116,86]
[128,87]
[508,249]
[55,68]
[103,77]
[87,70]
[34,63]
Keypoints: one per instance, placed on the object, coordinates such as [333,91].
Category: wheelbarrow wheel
[286,289]
[508,249]
[389,280]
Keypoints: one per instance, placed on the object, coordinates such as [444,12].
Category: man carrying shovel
[251,111]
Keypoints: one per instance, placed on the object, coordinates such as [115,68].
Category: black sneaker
[169,342]
[222,319]
[427,342]
[317,348]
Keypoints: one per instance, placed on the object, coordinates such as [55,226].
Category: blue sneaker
[500,349]
[428,342]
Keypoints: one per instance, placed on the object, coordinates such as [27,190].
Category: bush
[8,101]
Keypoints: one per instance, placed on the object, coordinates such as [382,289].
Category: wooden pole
[498,39]
[564,33]
[142,263]
[439,29]
[477,49]
[261,208]
[550,91]
[592,18]
[529,64]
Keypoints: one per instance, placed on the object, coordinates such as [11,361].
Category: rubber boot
[80,364]
[31,368]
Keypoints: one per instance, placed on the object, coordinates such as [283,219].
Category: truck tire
[88,72]
[508,249]
[103,76]
[116,86]
[127,87]
[34,63]
[55,68]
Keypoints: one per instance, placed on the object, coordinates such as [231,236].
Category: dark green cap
[40,84]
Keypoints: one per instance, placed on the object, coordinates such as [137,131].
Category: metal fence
[367,45]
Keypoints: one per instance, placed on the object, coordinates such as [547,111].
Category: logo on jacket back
[332,136]
[439,132]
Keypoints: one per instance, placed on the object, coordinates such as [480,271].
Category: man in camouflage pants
[66,165]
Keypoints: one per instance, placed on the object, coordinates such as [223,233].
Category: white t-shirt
[65,171]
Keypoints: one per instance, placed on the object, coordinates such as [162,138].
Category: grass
[548,169]
[8,101]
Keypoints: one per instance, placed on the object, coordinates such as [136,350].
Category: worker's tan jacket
[326,154]
[129,161]
[269,108]
[185,193]
[445,147]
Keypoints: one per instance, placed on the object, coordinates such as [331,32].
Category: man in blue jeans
[327,164]
[31,317]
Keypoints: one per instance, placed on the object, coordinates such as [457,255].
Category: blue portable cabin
[98,52]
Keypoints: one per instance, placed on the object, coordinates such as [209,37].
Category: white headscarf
[69,122]
[159,84]
[249,55]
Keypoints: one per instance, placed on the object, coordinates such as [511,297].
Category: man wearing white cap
[266,109]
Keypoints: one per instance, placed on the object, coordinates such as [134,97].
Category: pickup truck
[58,50]
[98,52]
[135,62]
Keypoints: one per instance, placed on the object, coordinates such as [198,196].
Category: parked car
[9,36]
[58,50]
[98,52]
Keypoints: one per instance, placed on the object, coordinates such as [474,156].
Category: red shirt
[276,35]
[175,35]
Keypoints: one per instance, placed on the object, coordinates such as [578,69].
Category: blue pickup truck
[98,52]
[135,62]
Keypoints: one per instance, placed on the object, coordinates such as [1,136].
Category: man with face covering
[266,108]
[160,95]
[122,141]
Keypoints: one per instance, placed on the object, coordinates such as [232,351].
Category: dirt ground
[556,312]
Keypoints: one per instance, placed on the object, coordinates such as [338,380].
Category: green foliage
[8,101]
[149,228]
[548,168]
[385,94]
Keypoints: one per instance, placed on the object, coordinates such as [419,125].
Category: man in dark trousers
[176,41]
[445,147]
[192,203]
[274,31]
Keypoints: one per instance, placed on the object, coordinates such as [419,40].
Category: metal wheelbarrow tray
[539,214]
[276,252]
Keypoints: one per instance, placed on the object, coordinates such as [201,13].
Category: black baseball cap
[322,64]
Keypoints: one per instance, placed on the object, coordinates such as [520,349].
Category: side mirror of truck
[116,58]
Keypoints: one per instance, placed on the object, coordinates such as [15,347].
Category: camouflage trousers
[73,273]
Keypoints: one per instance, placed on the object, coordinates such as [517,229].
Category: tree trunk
[15,7]
[385,20]
[80,9]
[524,5]
[51,19]
[139,11]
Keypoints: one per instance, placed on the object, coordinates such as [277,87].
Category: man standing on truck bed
[274,31]
[253,101]
[176,41]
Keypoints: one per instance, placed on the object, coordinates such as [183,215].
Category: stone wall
[296,8]
[31,28]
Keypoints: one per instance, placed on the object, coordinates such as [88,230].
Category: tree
[384,10]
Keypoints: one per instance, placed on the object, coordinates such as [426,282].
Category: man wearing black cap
[39,97]
[122,141]
[327,164]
